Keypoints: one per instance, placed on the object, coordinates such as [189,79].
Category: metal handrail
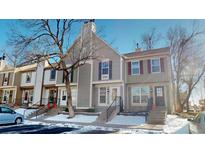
[115,103]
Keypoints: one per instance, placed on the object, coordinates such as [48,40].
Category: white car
[9,116]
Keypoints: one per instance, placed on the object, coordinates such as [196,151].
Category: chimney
[88,27]
[138,49]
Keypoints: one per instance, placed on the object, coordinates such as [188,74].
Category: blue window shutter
[110,70]
[99,70]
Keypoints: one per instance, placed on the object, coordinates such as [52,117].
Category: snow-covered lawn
[25,112]
[127,120]
[77,118]
[176,125]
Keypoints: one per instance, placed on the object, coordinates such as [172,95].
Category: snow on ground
[176,125]
[77,118]
[25,112]
[127,120]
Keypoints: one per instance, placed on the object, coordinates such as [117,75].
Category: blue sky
[123,33]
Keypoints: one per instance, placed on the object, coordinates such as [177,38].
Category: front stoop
[106,117]
[157,116]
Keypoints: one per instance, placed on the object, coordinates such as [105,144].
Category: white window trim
[27,74]
[108,75]
[138,104]
[138,65]
[106,97]
[159,65]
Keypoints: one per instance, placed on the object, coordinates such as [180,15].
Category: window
[159,92]
[135,67]
[105,70]
[6,110]
[28,77]
[6,79]
[53,74]
[103,95]
[140,95]
[64,95]
[155,65]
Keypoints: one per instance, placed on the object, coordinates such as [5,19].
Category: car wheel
[18,121]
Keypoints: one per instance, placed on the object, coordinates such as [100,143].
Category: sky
[122,34]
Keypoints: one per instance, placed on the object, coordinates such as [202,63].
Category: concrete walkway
[114,126]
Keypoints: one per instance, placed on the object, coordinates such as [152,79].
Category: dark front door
[159,96]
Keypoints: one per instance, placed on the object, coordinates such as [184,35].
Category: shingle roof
[146,52]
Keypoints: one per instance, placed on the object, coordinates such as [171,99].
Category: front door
[52,96]
[28,96]
[6,94]
[114,92]
[159,96]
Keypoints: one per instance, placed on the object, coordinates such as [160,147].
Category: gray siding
[84,86]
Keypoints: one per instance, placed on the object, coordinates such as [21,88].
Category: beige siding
[149,77]
[11,78]
[129,107]
[1,79]
[103,51]
[84,86]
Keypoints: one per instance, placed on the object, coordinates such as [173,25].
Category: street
[45,129]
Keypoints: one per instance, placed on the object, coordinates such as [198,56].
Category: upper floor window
[52,74]
[155,65]
[105,70]
[135,67]
[6,79]
[28,77]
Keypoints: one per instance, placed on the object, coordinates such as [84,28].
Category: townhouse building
[148,78]
[137,77]
[8,86]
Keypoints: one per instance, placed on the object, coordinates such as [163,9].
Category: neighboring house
[8,83]
[27,83]
[148,78]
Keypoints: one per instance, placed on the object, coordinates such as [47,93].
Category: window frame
[30,75]
[99,95]
[135,68]
[52,79]
[105,76]
[140,87]
[155,66]
[6,76]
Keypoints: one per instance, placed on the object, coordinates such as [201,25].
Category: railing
[117,102]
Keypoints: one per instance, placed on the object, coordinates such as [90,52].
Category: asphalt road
[44,129]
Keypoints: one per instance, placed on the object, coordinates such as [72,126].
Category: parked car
[9,116]
[198,123]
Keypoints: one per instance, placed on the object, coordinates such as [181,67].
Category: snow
[77,118]
[127,120]
[176,125]
[25,112]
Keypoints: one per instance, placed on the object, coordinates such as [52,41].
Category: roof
[146,52]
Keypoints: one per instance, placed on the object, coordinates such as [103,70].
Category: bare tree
[187,62]
[52,37]
[150,39]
